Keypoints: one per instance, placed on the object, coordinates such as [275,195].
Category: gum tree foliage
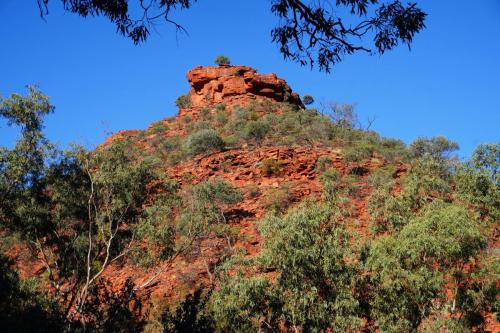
[312,283]
[438,147]
[70,208]
[487,157]
[203,214]
[408,269]
[204,207]
[477,181]
[309,32]
[425,180]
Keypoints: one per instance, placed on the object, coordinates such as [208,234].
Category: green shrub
[221,118]
[170,144]
[277,199]
[270,166]
[256,131]
[158,127]
[203,208]
[382,177]
[332,186]
[220,107]
[183,102]
[357,153]
[198,126]
[222,60]
[206,113]
[204,141]
[392,150]
[231,140]
[323,163]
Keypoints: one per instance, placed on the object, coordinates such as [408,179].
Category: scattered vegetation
[183,102]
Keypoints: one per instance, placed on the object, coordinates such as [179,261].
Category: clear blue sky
[449,84]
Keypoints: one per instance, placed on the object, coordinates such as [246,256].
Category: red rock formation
[233,85]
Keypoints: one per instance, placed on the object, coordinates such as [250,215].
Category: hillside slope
[219,212]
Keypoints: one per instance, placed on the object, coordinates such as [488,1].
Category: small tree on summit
[222,60]
[307,99]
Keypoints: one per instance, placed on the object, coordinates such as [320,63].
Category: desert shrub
[382,177]
[191,315]
[388,211]
[323,163]
[253,191]
[239,72]
[206,113]
[342,115]
[277,199]
[198,126]
[221,118]
[186,119]
[351,186]
[170,144]
[332,185]
[392,150]
[204,141]
[271,166]
[141,135]
[158,127]
[424,182]
[157,230]
[222,60]
[183,101]
[256,130]
[358,152]
[231,140]
[220,107]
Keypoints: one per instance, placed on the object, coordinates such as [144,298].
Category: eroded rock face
[233,85]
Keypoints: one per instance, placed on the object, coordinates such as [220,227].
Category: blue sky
[449,84]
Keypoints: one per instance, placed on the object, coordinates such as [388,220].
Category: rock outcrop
[236,85]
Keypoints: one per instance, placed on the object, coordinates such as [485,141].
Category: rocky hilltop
[236,85]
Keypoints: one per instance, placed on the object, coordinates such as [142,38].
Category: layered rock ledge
[236,85]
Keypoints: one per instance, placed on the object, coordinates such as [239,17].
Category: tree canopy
[309,32]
